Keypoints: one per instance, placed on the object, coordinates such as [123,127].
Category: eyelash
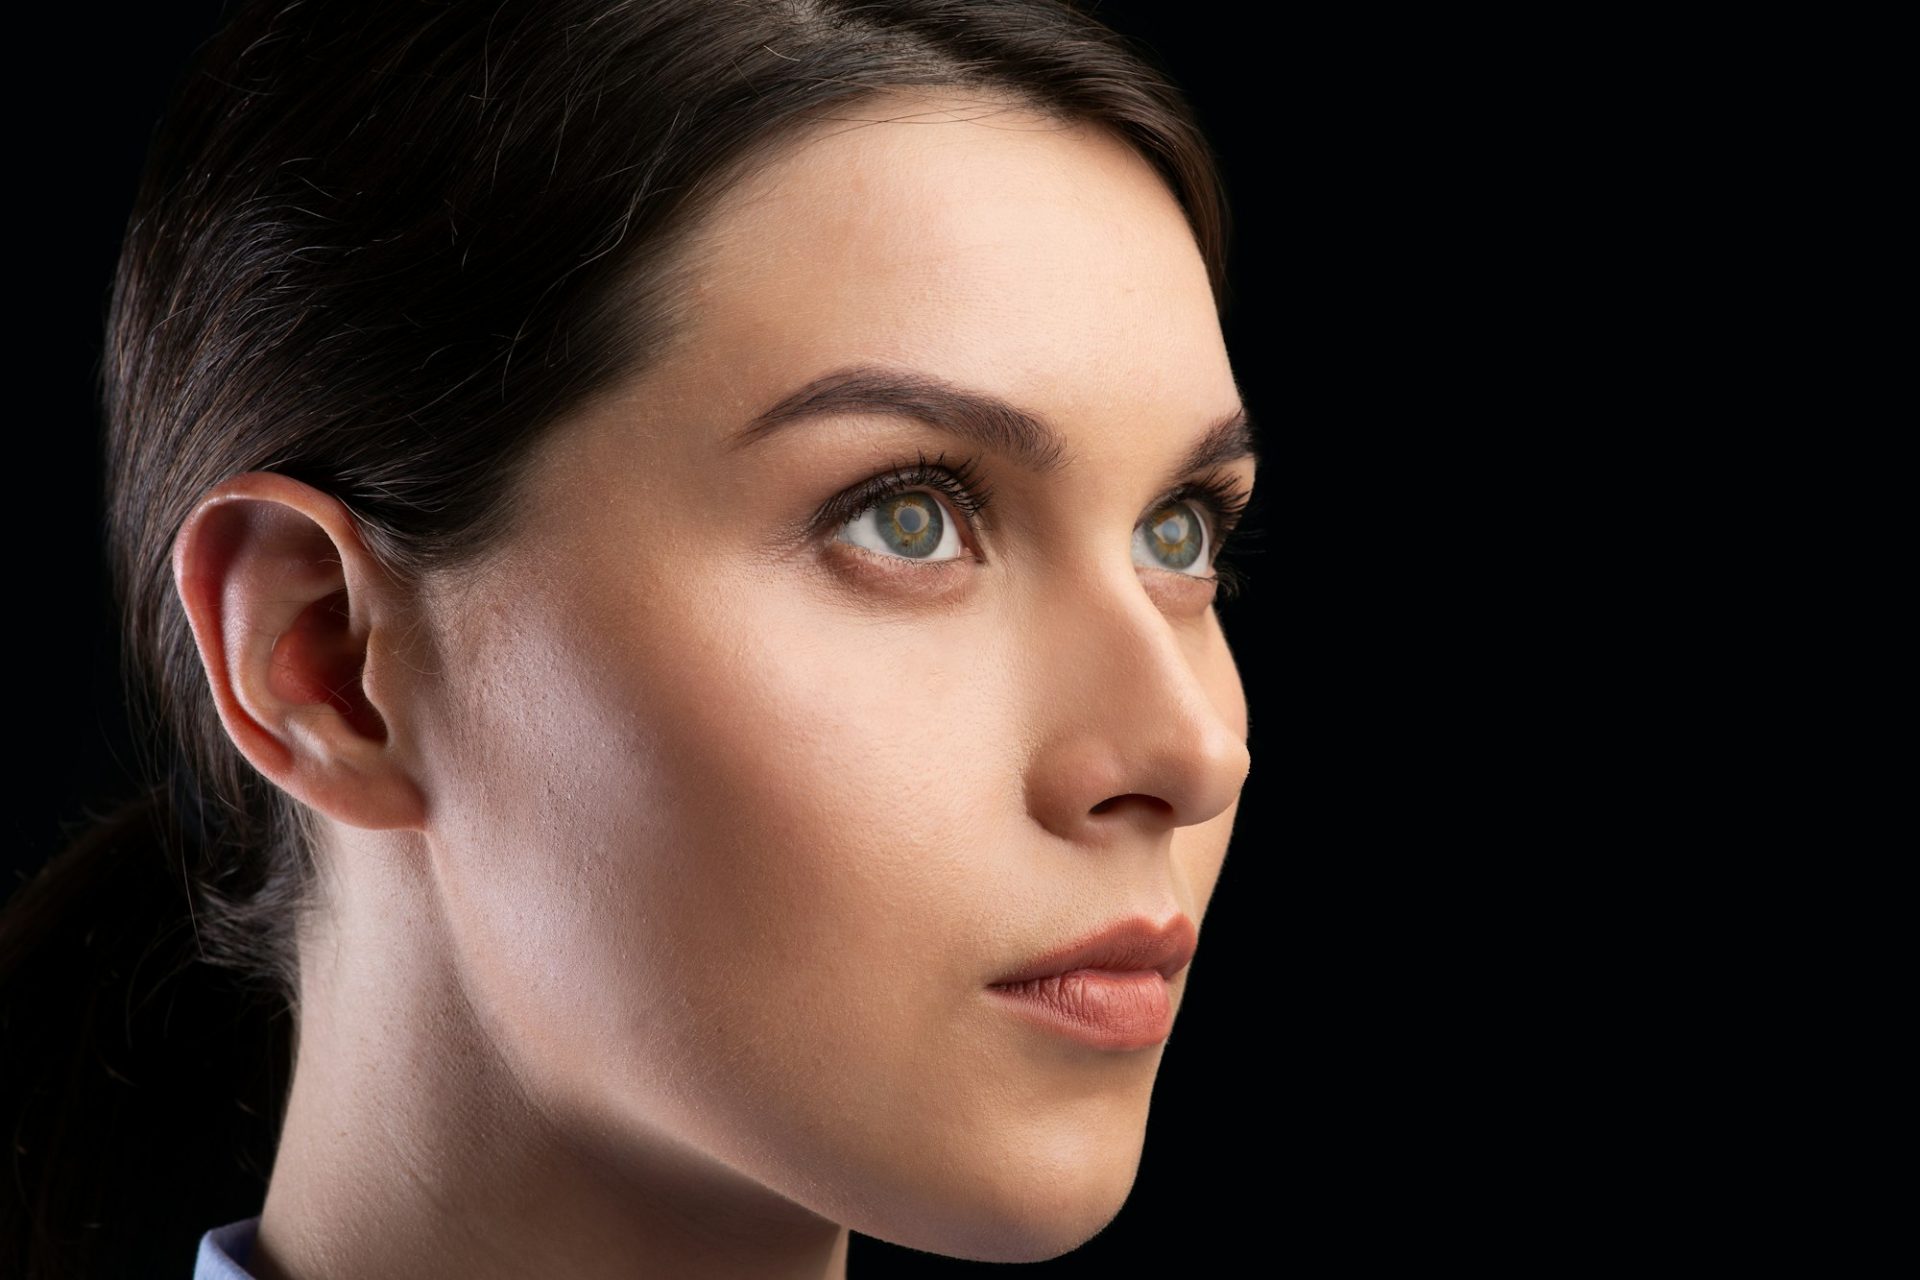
[1225,498]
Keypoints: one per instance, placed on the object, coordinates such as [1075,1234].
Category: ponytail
[144,1086]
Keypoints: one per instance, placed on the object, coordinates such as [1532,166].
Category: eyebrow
[977,416]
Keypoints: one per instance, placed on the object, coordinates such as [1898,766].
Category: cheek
[744,865]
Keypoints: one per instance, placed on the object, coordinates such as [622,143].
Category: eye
[895,515]
[1175,536]
[1189,528]
[912,524]
[910,514]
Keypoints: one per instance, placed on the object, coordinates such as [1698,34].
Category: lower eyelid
[928,578]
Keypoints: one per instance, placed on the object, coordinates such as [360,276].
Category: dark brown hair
[380,246]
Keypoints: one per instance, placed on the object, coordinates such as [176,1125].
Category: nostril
[1111,802]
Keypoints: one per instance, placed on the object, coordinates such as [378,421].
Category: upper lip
[1134,944]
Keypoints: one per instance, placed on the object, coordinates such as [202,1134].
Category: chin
[1016,1213]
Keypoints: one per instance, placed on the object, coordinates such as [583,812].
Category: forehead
[1045,260]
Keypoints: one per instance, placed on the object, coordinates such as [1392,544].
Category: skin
[665,857]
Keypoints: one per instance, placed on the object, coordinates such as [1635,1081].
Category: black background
[1230,1112]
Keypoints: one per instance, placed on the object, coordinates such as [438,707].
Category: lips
[1132,945]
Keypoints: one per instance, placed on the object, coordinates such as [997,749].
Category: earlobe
[283,599]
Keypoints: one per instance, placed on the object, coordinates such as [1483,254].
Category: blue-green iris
[910,523]
[1176,535]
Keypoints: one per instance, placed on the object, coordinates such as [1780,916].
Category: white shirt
[225,1251]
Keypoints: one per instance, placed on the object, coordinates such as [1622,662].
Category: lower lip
[1105,1008]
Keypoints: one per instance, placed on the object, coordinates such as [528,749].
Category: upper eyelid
[863,495]
[882,483]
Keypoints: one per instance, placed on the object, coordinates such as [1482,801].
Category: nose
[1140,717]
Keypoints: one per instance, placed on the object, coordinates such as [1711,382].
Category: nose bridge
[1126,720]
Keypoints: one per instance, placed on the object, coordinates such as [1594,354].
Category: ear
[292,615]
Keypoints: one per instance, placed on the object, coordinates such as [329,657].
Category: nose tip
[1089,788]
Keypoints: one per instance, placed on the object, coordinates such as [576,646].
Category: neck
[414,1146]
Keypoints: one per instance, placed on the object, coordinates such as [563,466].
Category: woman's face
[737,813]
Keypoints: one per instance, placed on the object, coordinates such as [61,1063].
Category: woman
[675,544]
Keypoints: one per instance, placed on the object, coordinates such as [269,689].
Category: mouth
[1108,990]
